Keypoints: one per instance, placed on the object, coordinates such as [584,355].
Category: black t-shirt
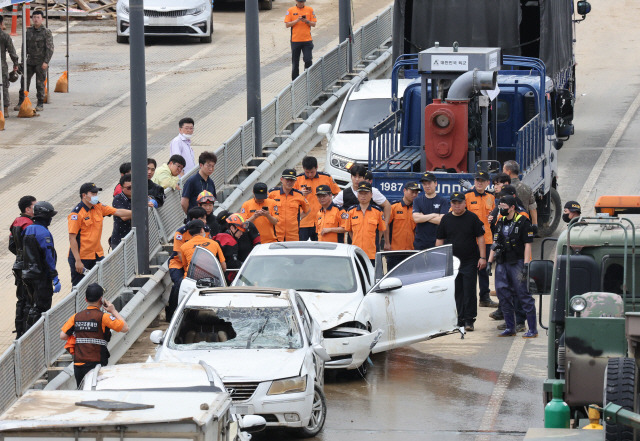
[461,231]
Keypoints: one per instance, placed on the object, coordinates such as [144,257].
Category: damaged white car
[262,342]
[360,311]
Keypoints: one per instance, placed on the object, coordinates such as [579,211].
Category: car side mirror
[321,352]
[584,7]
[324,129]
[252,423]
[389,284]
[541,271]
[157,337]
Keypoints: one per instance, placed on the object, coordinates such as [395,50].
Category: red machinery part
[446,128]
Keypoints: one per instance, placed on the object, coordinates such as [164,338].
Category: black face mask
[565,217]
[504,211]
[45,222]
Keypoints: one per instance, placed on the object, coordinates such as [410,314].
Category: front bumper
[191,25]
[350,352]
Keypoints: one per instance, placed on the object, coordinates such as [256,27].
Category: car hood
[330,310]
[351,145]
[173,5]
[244,364]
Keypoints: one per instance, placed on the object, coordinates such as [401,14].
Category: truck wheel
[318,415]
[555,214]
[620,378]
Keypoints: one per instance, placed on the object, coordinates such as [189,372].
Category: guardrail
[29,357]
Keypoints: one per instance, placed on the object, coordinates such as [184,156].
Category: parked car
[264,344]
[188,18]
[367,103]
[359,311]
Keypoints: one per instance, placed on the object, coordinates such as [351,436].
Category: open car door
[204,272]
[414,301]
[388,260]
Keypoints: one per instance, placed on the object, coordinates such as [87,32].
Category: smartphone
[304,17]
[265,208]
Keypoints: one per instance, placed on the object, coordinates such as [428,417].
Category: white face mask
[187,136]
[94,200]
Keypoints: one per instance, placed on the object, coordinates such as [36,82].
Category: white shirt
[180,145]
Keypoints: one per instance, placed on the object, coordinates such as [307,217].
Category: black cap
[509,200]
[195,223]
[428,177]
[323,189]
[508,190]
[412,186]
[260,190]
[457,196]
[94,292]
[364,186]
[482,175]
[573,206]
[89,187]
[289,173]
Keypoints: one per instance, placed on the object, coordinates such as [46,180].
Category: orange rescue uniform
[266,229]
[482,205]
[313,183]
[403,227]
[288,209]
[87,224]
[300,31]
[332,217]
[180,237]
[189,248]
[363,226]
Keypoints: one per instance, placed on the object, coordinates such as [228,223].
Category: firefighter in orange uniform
[300,18]
[262,212]
[92,331]
[291,207]
[401,224]
[331,219]
[364,220]
[196,229]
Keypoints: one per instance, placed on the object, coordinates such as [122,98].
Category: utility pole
[344,25]
[139,134]
[254,102]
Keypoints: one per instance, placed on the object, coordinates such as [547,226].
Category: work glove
[534,227]
[466,184]
[56,284]
[489,269]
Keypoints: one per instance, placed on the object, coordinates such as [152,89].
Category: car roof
[373,89]
[304,249]
[240,297]
[151,376]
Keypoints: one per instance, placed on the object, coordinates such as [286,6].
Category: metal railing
[530,144]
[29,357]
[384,140]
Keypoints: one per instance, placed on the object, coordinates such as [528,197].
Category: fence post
[17,367]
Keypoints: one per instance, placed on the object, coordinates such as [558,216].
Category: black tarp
[546,31]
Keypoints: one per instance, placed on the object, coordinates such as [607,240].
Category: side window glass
[365,272]
[422,267]
[306,319]
[204,264]
[361,276]
[503,110]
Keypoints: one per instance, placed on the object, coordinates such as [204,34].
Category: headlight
[124,8]
[340,162]
[195,11]
[578,303]
[288,385]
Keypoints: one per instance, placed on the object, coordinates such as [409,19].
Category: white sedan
[359,312]
[262,342]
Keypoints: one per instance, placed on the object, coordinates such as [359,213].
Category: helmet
[205,196]
[43,209]
[13,76]
[238,221]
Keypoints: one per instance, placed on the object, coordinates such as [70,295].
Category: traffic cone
[14,21]
[62,86]
[26,108]
[1,119]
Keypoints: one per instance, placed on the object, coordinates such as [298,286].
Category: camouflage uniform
[525,194]
[39,50]
[6,46]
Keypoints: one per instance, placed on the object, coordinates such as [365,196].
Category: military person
[572,210]
[39,53]
[524,192]
[6,47]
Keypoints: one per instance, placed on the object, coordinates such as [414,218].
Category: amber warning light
[616,205]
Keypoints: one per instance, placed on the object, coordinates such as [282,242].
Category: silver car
[188,18]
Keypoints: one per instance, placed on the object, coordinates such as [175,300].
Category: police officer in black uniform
[39,270]
[511,251]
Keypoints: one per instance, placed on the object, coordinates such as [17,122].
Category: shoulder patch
[112,318]
[74,217]
[344,216]
[178,236]
[242,210]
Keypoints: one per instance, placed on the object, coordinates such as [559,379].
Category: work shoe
[530,334]
[40,107]
[487,303]
[497,314]
[17,108]
[469,328]
[520,327]
[507,333]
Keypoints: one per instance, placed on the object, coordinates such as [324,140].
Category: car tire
[122,39]
[266,5]
[549,227]
[620,388]
[318,415]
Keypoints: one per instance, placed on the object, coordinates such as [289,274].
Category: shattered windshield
[299,272]
[238,328]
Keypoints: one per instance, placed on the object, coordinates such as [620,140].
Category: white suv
[264,345]
[367,103]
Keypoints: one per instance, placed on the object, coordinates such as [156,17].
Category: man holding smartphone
[300,18]
[261,211]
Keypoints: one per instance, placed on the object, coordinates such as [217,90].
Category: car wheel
[619,388]
[266,5]
[363,369]
[122,39]
[318,415]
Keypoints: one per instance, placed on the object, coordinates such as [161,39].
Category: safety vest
[509,243]
[90,337]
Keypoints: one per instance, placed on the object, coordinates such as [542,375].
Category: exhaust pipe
[472,82]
